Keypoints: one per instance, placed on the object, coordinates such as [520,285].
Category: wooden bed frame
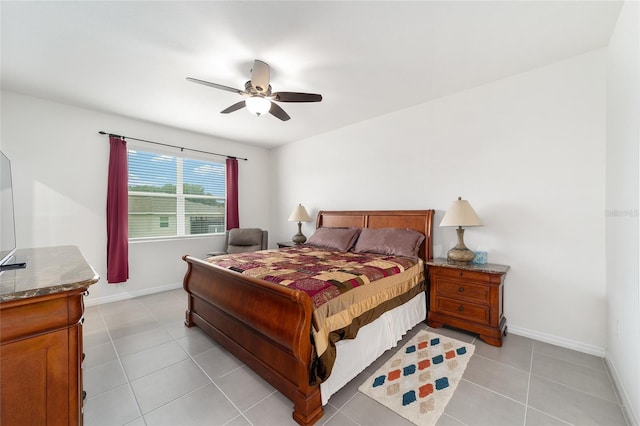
[231,309]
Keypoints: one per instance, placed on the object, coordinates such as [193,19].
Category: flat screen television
[7,219]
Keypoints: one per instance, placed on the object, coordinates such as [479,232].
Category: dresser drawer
[465,275]
[468,311]
[462,290]
[21,318]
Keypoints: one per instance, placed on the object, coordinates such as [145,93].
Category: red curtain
[233,219]
[117,213]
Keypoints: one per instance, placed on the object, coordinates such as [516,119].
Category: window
[174,196]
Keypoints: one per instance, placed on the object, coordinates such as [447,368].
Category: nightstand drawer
[468,311]
[462,290]
[465,275]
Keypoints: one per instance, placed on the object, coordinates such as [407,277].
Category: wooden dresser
[468,296]
[41,310]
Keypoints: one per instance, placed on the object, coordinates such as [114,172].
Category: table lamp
[460,214]
[299,215]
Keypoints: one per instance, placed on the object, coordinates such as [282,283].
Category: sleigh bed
[273,328]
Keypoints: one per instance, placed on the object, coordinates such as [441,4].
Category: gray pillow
[341,239]
[391,241]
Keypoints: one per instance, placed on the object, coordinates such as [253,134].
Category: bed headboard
[418,220]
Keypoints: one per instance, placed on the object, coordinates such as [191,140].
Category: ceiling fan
[260,99]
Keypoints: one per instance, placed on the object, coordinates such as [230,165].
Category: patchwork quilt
[348,290]
[322,274]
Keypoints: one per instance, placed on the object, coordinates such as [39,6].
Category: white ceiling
[365,58]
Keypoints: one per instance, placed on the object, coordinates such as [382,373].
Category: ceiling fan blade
[233,107]
[260,75]
[215,85]
[296,97]
[278,112]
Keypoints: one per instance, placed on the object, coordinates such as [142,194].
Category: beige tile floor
[144,367]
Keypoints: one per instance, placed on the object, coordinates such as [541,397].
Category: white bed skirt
[354,355]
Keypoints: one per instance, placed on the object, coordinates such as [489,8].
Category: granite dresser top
[492,268]
[49,270]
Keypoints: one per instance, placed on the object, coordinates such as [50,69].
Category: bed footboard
[267,326]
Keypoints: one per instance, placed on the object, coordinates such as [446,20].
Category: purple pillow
[341,239]
[391,241]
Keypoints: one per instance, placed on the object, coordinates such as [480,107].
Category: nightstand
[286,244]
[468,296]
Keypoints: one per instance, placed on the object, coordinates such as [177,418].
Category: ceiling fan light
[258,105]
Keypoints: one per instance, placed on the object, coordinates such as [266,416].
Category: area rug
[418,380]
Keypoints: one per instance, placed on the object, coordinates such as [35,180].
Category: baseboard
[536,335]
[558,341]
[627,407]
[130,295]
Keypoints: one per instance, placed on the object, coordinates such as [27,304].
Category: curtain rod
[172,146]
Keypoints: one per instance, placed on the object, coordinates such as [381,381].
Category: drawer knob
[461,273]
[460,308]
[461,289]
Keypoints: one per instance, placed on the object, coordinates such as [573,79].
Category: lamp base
[460,253]
[299,238]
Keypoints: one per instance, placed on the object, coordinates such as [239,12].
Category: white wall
[622,204]
[60,163]
[526,151]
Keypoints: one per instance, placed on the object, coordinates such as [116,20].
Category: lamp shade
[299,214]
[460,214]
[258,105]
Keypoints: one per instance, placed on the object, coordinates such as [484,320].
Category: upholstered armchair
[240,240]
